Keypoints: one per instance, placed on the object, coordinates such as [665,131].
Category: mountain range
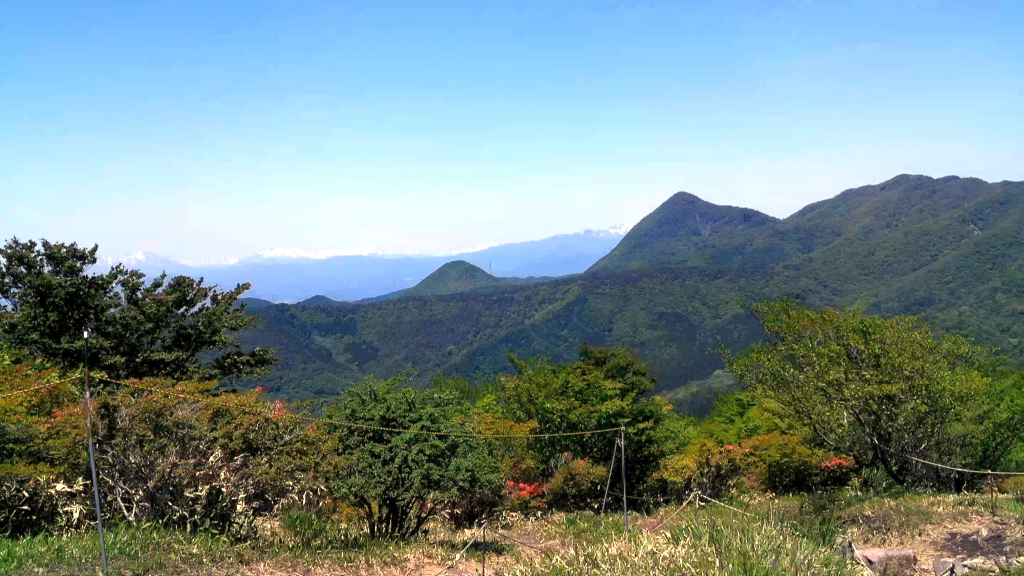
[281,278]
[676,289]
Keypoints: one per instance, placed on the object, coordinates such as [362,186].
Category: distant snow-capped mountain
[143,259]
[291,275]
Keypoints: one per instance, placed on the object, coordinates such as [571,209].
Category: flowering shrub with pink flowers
[575,483]
[776,463]
[704,466]
[784,463]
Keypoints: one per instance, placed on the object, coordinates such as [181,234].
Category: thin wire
[985,473]
[661,500]
[355,424]
[710,499]
[611,469]
[457,556]
[41,386]
[507,537]
[680,509]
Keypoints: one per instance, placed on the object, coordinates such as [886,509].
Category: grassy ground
[785,536]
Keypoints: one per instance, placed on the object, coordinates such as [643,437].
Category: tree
[173,328]
[606,388]
[399,479]
[883,390]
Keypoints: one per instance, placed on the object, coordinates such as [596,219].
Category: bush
[576,483]
[29,505]
[785,464]
[188,464]
[399,479]
[1014,486]
[471,510]
[42,433]
[704,467]
[607,388]
[524,497]
[886,391]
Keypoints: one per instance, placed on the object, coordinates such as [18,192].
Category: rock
[946,567]
[982,565]
[883,561]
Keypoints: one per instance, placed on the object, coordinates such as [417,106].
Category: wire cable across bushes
[357,425]
[40,387]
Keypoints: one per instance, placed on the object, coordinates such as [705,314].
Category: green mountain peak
[453,277]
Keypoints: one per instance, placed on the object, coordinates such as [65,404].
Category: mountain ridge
[950,249]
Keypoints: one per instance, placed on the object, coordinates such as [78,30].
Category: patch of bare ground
[940,527]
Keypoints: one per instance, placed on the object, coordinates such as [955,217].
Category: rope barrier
[985,473]
[355,424]
[937,465]
[40,387]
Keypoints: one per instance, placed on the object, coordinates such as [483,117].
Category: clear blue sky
[206,130]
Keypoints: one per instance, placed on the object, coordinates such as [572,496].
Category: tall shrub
[396,473]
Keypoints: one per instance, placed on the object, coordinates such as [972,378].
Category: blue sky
[210,130]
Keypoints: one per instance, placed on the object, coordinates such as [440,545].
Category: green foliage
[162,457]
[674,319]
[41,432]
[785,464]
[947,249]
[675,433]
[575,484]
[697,397]
[456,276]
[742,415]
[880,390]
[687,231]
[160,329]
[398,480]
[704,466]
[605,389]
[198,466]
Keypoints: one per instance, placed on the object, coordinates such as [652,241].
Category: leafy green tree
[742,415]
[398,480]
[174,328]
[606,388]
[884,391]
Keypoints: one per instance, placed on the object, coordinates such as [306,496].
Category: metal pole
[92,457]
[625,509]
[483,560]
[611,468]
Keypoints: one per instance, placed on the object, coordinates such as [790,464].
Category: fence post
[92,458]
[625,508]
[611,468]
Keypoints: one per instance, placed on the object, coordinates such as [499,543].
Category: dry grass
[779,537]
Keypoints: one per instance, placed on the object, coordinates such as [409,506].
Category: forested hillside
[674,288]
